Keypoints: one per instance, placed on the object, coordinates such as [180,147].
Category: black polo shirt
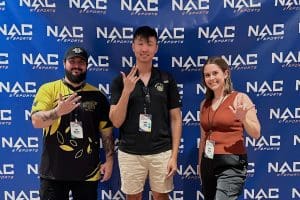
[163,97]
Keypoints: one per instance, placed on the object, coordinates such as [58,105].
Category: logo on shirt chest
[89,105]
[159,87]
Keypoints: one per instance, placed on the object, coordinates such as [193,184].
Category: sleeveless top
[221,126]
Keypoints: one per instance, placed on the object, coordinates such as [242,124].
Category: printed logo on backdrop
[170,36]
[7,171]
[115,35]
[241,62]
[89,6]
[191,118]
[200,89]
[296,140]
[251,169]
[2,5]
[265,88]
[20,195]
[284,168]
[5,117]
[41,61]
[266,32]
[267,193]
[16,31]
[20,144]
[287,5]
[217,34]
[129,61]
[32,170]
[188,172]
[140,7]
[39,6]
[189,63]
[191,7]
[243,6]
[173,195]
[297,85]
[286,59]
[181,146]
[264,143]
[199,195]
[4,60]
[110,194]
[105,88]
[285,115]
[98,64]
[73,34]
[18,90]
[295,193]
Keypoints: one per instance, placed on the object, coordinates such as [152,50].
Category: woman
[224,115]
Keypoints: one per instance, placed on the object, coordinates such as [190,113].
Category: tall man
[145,106]
[72,114]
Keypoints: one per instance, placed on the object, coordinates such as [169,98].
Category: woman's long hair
[228,88]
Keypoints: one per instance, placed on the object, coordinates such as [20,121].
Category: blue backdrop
[258,38]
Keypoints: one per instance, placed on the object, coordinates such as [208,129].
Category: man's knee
[160,196]
[134,196]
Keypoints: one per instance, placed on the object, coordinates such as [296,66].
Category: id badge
[209,149]
[76,130]
[145,123]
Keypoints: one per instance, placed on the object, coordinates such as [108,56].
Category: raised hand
[241,108]
[67,105]
[130,80]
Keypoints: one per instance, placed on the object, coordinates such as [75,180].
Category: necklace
[211,120]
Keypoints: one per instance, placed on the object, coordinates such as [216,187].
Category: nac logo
[242,6]
[189,119]
[275,88]
[105,88]
[288,5]
[251,169]
[173,36]
[296,140]
[270,143]
[16,32]
[7,171]
[4,61]
[100,63]
[29,144]
[266,32]
[199,195]
[239,62]
[2,5]
[191,7]
[284,169]
[21,195]
[188,172]
[285,115]
[5,117]
[41,62]
[181,145]
[217,34]
[129,61]
[189,64]
[17,89]
[114,35]
[295,193]
[297,85]
[72,34]
[89,6]
[200,89]
[173,195]
[287,59]
[269,193]
[39,6]
[140,7]
[109,194]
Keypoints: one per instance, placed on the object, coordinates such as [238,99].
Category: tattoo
[108,144]
[51,115]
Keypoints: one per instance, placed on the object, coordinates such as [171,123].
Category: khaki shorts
[134,170]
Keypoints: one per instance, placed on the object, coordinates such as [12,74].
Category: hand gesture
[130,80]
[241,108]
[67,105]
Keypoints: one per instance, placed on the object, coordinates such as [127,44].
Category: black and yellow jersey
[63,157]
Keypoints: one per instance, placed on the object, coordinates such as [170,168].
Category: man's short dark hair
[145,32]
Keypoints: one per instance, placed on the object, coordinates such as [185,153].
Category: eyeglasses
[147,95]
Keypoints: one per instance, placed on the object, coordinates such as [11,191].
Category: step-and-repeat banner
[258,38]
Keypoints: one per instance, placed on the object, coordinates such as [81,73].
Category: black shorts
[60,190]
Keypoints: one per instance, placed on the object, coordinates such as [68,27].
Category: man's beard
[75,79]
